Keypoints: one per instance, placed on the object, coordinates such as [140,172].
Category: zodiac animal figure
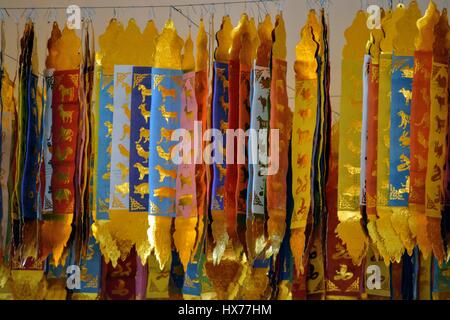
[65,134]
[222,171]
[62,195]
[164,193]
[144,134]
[407,94]
[167,115]
[110,107]
[123,188]
[141,189]
[343,274]
[144,112]
[404,119]
[162,154]
[145,92]
[63,155]
[223,125]
[109,127]
[221,76]
[143,171]
[404,139]
[124,151]
[126,110]
[123,169]
[164,173]
[165,92]
[62,177]
[405,163]
[263,102]
[66,116]
[185,200]
[225,105]
[185,181]
[440,124]
[126,132]
[438,149]
[165,134]
[263,124]
[142,153]
[66,93]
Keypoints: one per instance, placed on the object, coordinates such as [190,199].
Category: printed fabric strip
[104,145]
[139,137]
[186,189]
[220,109]
[260,123]
[399,153]
[65,134]
[48,145]
[120,154]
[166,107]
[362,177]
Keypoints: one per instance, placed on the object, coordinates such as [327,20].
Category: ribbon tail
[351,233]
[184,238]
[220,236]
[399,219]
[297,247]
[434,235]
[54,238]
[418,225]
[391,241]
[160,238]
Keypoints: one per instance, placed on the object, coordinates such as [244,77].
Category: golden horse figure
[167,115]
[66,93]
[165,92]
[144,112]
[145,92]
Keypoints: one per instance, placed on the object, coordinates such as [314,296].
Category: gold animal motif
[66,93]
[440,123]
[164,173]
[141,189]
[421,161]
[143,171]
[165,134]
[407,94]
[222,171]
[405,163]
[421,138]
[352,170]
[225,105]
[343,274]
[185,200]
[185,181]
[127,111]
[123,188]
[66,116]
[404,139]
[63,155]
[407,72]
[109,107]
[65,134]
[189,114]
[144,112]
[405,119]
[62,177]
[280,85]
[223,125]
[162,154]
[145,92]
[62,195]
[280,107]
[124,151]
[127,88]
[144,134]
[123,169]
[109,127]
[165,92]
[167,115]
[126,132]
[142,153]
[221,76]
[164,193]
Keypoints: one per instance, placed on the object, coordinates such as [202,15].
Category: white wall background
[341,13]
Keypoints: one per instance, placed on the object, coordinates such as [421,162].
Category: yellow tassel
[276,227]
[418,225]
[400,223]
[434,235]
[118,235]
[297,247]
[54,237]
[30,236]
[184,238]
[375,236]
[393,246]
[160,238]
[220,235]
[351,233]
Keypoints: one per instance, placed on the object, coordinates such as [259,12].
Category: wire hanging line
[154,6]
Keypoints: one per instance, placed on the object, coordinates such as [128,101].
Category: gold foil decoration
[265,36]
[187,60]
[279,50]
[108,44]
[237,37]
[404,46]
[149,35]
[349,228]
[201,62]
[51,46]
[68,48]
[167,56]
[425,25]
[224,39]
[305,103]
[386,240]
